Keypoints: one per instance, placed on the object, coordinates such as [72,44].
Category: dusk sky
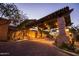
[39,10]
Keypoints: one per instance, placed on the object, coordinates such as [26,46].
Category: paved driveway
[29,48]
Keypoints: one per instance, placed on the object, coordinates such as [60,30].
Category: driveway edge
[67,52]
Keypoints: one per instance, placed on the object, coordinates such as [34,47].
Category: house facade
[59,20]
[41,28]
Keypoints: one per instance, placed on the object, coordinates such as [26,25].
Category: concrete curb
[67,52]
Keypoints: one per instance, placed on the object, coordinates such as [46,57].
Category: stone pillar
[62,37]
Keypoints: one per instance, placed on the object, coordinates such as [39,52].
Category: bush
[64,46]
[69,47]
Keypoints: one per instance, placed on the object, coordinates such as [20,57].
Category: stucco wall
[3,32]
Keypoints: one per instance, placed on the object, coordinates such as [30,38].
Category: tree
[75,31]
[10,11]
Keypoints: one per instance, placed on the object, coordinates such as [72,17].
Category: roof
[61,12]
[4,21]
[51,19]
[26,22]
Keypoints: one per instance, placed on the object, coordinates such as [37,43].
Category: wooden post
[36,34]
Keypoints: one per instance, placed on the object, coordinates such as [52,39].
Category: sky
[39,10]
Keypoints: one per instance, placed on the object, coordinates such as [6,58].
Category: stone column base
[62,39]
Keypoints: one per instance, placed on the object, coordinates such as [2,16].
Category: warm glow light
[66,29]
[44,41]
[56,24]
[31,34]
[17,35]
[47,26]
[27,35]
[57,30]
